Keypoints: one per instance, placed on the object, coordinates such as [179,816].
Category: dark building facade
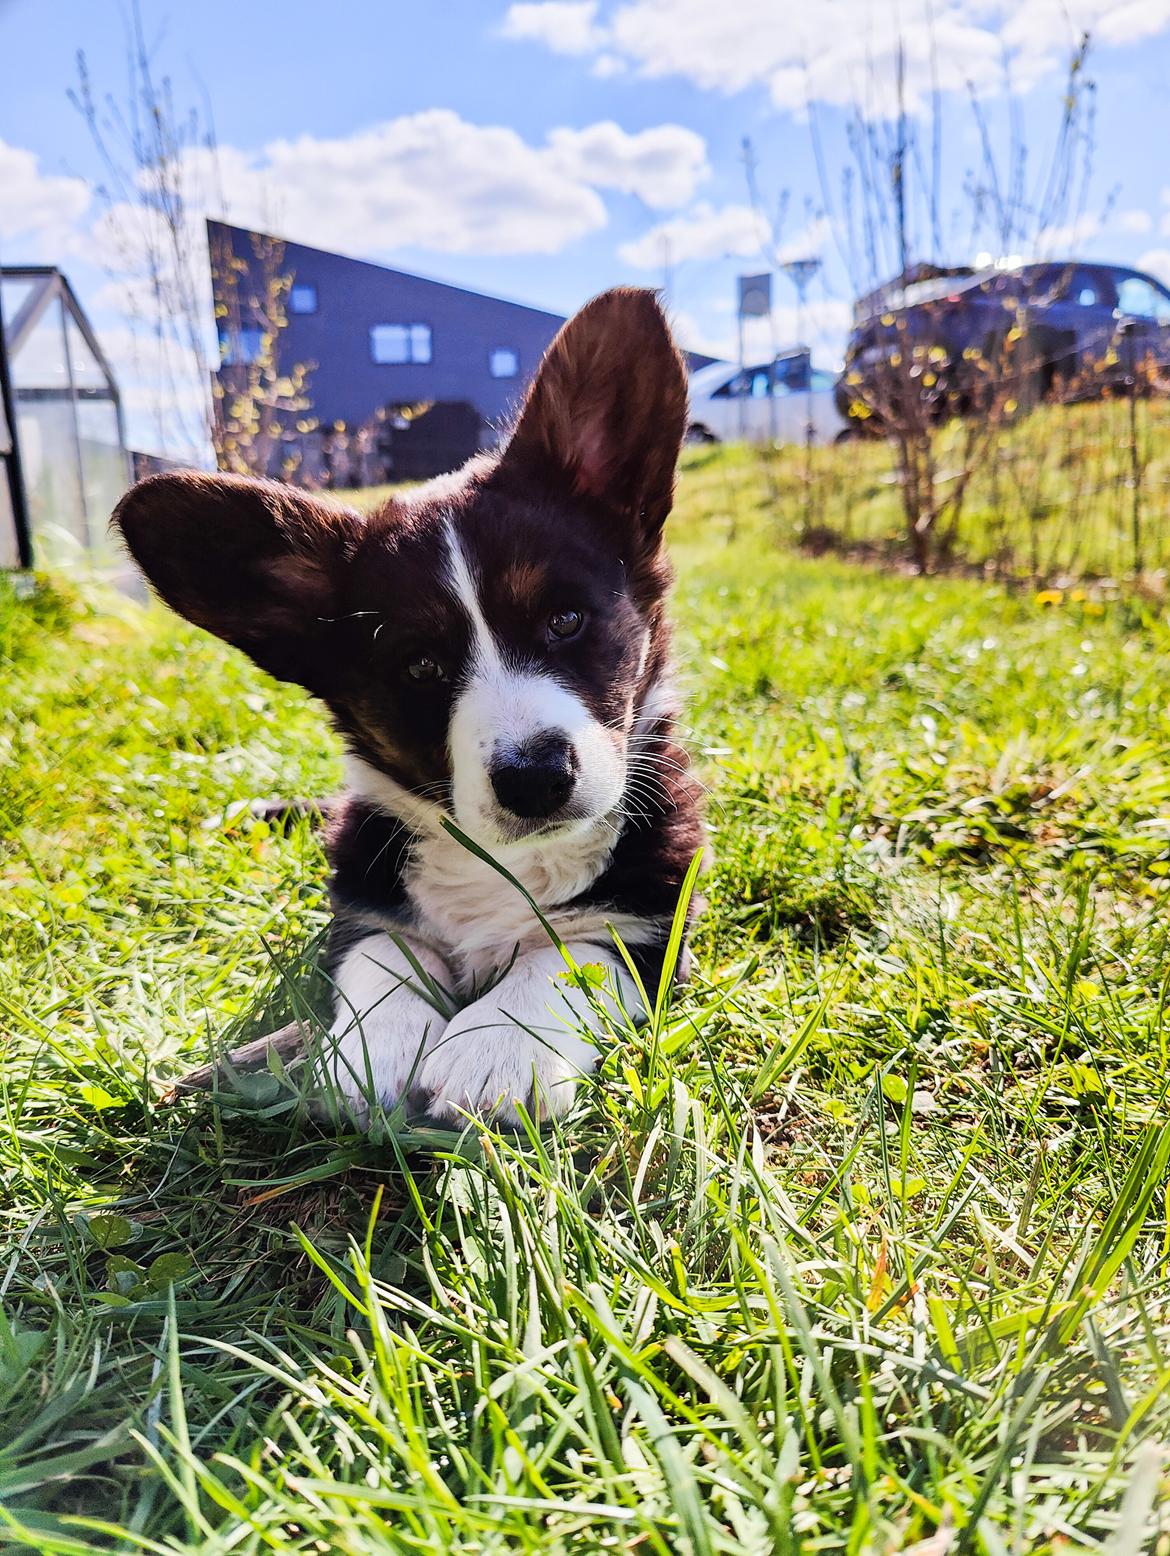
[381,348]
[405,376]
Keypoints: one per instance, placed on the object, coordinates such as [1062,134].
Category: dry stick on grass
[289,1043]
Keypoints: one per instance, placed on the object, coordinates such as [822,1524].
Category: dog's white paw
[379,1060]
[382,1026]
[528,1041]
[484,1063]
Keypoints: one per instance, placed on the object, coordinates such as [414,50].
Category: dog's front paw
[487,1063]
[378,1061]
[382,1024]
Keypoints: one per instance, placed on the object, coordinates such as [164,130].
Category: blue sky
[546,150]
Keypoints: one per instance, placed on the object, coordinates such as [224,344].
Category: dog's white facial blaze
[500,708]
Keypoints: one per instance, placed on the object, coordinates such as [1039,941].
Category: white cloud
[707,232]
[1136,221]
[1157,263]
[1112,23]
[37,206]
[428,180]
[606,65]
[564,26]
[433,180]
[718,232]
[1065,238]
[661,165]
[845,51]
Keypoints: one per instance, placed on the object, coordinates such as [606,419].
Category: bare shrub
[907,383]
[162,179]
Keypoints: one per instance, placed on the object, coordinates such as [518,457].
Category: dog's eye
[424,668]
[565,624]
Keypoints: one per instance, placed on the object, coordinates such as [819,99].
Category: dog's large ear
[607,410]
[256,563]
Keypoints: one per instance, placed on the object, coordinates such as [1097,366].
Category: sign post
[754,302]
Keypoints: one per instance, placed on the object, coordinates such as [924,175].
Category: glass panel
[389,343]
[88,372]
[9,556]
[14,293]
[39,363]
[48,438]
[103,462]
[791,373]
[420,343]
[302,298]
[240,347]
[503,363]
[397,343]
[1077,286]
[49,452]
[1142,300]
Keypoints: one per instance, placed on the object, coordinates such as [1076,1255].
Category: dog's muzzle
[535,780]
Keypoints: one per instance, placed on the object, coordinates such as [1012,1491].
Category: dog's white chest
[477,918]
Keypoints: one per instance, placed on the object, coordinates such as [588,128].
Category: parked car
[772,402]
[1068,326]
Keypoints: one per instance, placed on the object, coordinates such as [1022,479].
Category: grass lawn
[1053,497]
[866,1238]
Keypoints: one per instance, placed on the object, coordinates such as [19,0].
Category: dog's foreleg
[528,1040]
[388,1011]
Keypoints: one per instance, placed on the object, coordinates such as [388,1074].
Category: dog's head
[487,643]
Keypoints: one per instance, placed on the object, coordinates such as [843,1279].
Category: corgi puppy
[493,650]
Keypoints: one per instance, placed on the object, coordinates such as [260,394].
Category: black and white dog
[492,648]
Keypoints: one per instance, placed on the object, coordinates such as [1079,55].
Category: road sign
[755,296]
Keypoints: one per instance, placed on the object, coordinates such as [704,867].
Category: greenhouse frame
[68,418]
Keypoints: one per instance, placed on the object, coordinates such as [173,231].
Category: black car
[955,336]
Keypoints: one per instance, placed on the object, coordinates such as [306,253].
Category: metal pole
[742,406]
[12,466]
[667,271]
[802,296]
[81,497]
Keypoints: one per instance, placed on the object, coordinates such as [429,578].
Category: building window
[396,343]
[503,362]
[302,298]
[240,348]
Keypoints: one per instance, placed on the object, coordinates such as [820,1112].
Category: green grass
[1053,498]
[865,1238]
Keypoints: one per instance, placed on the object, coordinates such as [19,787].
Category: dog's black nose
[534,780]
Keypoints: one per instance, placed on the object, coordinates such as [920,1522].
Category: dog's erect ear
[254,562]
[607,410]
